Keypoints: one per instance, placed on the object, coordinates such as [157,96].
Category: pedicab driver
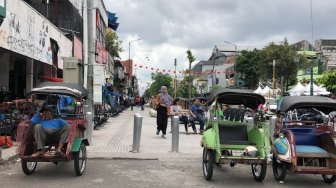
[47,128]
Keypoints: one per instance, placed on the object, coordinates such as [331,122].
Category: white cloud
[169,28]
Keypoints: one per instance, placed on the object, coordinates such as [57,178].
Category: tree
[183,88]
[284,56]
[248,63]
[159,81]
[191,59]
[328,80]
[113,44]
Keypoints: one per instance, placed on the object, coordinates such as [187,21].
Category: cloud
[169,28]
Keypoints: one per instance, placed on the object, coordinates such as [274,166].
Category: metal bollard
[272,122]
[89,129]
[175,133]
[137,133]
[250,123]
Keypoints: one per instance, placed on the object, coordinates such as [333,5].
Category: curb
[123,158]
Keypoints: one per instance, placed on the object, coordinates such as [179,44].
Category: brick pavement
[114,139]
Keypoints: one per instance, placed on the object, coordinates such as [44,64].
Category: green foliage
[159,81]
[328,80]
[113,44]
[183,88]
[284,55]
[190,56]
[248,63]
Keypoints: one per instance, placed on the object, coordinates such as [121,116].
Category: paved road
[144,173]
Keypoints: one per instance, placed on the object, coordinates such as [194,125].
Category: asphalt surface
[145,173]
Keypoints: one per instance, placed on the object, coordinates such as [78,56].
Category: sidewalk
[8,154]
[114,139]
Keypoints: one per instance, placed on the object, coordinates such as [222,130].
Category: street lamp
[129,61]
[235,46]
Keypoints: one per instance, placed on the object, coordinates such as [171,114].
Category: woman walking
[164,103]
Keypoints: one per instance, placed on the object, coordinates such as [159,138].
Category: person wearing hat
[47,128]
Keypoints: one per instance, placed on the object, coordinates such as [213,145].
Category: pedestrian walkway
[114,139]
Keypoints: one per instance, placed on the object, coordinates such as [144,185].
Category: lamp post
[175,81]
[129,61]
[231,44]
[213,74]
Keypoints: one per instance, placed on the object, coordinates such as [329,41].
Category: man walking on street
[132,101]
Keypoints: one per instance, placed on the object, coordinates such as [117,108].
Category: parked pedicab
[80,132]
[229,139]
[304,144]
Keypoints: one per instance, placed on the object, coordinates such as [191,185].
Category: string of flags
[184,72]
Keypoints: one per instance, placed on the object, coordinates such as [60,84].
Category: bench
[306,142]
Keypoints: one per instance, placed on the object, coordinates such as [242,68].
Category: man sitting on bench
[197,114]
[48,129]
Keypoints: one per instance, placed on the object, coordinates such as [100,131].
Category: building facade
[328,48]
[31,48]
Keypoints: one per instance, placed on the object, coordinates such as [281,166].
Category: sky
[168,28]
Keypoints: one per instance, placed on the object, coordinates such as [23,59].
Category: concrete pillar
[29,74]
[4,70]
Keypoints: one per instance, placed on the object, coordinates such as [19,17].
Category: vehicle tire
[279,169]
[208,163]
[80,160]
[28,167]
[329,178]
[96,121]
[259,171]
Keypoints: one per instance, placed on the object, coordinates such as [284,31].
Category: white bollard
[89,129]
[272,122]
[137,133]
[175,133]
[250,122]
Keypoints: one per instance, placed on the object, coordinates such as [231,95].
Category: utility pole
[85,41]
[91,49]
[189,89]
[175,80]
[273,76]
[130,64]
[213,69]
[312,80]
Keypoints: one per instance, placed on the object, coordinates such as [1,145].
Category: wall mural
[26,32]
